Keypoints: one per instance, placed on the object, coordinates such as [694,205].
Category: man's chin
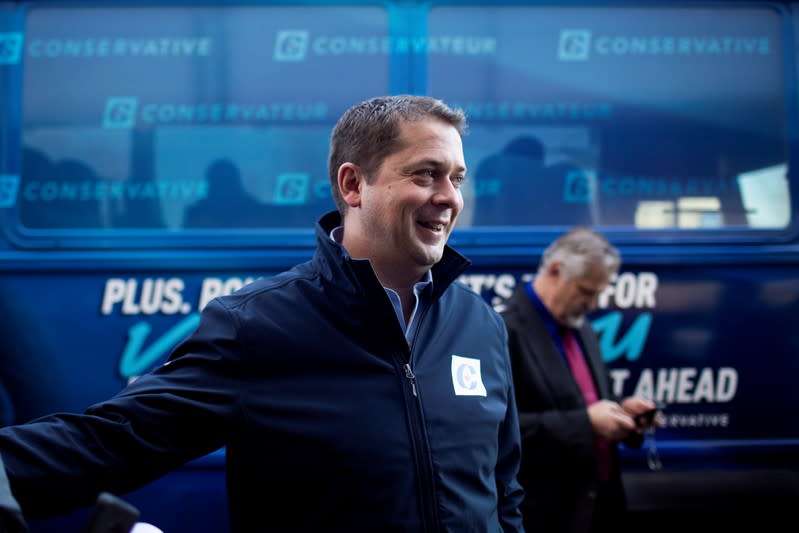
[431,255]
[576,322]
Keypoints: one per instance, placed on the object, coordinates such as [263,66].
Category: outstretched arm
[176,413]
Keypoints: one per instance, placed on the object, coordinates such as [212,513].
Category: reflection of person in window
[227,204]
[504,183]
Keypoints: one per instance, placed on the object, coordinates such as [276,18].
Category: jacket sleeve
[180,411]
[509,491]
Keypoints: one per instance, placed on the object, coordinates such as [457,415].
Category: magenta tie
[582,375]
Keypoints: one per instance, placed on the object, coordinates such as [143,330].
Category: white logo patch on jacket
[466,377]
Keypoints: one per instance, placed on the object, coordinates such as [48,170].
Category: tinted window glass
[647,118]
[174,118]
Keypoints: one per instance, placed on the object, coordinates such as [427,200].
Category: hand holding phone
[647,418]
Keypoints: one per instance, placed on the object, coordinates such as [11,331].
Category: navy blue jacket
[330,421]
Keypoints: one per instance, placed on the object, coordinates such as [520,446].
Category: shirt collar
[549,321]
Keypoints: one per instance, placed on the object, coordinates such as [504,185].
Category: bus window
[624,118]
[194,118]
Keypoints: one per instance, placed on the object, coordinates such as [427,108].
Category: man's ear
[350,179]
[555,268]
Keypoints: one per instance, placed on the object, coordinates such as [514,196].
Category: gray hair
[369,131]
[580,248]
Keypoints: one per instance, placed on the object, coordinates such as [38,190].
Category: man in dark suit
[570,426]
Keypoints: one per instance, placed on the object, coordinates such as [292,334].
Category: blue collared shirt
[421,292]
[549,321]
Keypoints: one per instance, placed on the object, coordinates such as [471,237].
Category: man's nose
[447,194]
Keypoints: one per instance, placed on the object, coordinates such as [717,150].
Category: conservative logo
[91,47]
[466,377]
[120,113]
[291,45]
[9,184]
[579,187]
[583,186]
[298,45]
[10,48]
[581,44]
[292,188]
[123,112]
[574,45]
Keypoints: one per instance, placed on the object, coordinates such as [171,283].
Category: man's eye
[425,175]
[458,180]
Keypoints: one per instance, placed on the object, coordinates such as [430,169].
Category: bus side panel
[715,343]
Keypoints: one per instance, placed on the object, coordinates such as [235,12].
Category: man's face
[409,207]
[574,297]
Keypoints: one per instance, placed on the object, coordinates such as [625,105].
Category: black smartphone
[646,418]
[111,515]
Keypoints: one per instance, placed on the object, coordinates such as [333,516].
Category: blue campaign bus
[154,155]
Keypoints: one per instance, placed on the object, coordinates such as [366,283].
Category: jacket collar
[334,258]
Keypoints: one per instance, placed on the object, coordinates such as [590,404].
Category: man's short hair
[579,248]
[369,132]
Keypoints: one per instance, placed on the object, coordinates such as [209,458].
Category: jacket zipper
[411,377]
[427,502]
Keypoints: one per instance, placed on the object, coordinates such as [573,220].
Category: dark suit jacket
[559,469]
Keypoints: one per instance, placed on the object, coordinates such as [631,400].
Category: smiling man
[400,214]
[365,390]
